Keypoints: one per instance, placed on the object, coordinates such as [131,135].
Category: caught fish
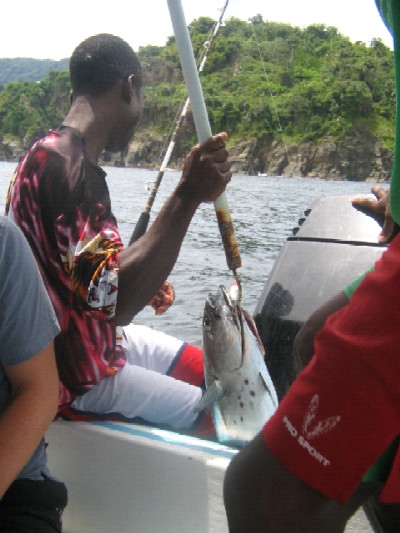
[239,389]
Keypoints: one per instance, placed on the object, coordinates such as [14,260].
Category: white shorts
[141,388]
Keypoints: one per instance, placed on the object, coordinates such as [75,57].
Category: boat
[125,477]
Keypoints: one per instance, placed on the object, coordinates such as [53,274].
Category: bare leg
[262,496]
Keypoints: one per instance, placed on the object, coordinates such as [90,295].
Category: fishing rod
[200,116]
[144,219]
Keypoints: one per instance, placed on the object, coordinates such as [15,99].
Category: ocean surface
[264,212]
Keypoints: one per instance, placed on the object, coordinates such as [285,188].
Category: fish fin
[213,393]
[225,436]
[270,389]
[221,430]
[253,329]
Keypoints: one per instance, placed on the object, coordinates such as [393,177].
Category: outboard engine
[333,245]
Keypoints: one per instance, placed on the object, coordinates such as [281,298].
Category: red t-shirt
[61,202]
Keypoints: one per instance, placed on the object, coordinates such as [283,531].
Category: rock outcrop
[356,157]
[353,158]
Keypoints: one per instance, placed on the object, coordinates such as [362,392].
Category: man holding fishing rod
[309,469]
[59,198]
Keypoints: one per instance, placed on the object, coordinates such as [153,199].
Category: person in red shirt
[304,472]
[60,200]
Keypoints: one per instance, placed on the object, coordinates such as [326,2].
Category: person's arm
[146,264]
[303,345]
[33,406]
[30,385]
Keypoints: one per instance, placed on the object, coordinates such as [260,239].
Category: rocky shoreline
[355,157]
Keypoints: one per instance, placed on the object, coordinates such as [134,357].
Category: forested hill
[28,69]
[274,87]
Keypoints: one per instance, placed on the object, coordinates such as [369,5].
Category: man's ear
[71,97]
[127,88]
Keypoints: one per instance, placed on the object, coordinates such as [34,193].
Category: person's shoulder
[9,228]
[60,142]
[58,155]
[47,141]
[13,245]
[11,236]
[42,153]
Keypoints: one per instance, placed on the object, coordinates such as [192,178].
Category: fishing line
[143,221]
[269,89]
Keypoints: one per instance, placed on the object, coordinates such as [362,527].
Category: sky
[51,30]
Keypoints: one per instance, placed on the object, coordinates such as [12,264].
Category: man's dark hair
[99,62]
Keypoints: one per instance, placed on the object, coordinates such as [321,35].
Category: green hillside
[262,80]
[28,69]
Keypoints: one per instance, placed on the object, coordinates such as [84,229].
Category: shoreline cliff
[355,157]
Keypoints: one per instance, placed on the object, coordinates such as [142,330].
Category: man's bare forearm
[147,263]
[32,408]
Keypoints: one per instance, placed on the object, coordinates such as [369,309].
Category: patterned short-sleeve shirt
[61,202]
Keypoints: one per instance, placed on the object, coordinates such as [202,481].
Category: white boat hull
[124,478]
